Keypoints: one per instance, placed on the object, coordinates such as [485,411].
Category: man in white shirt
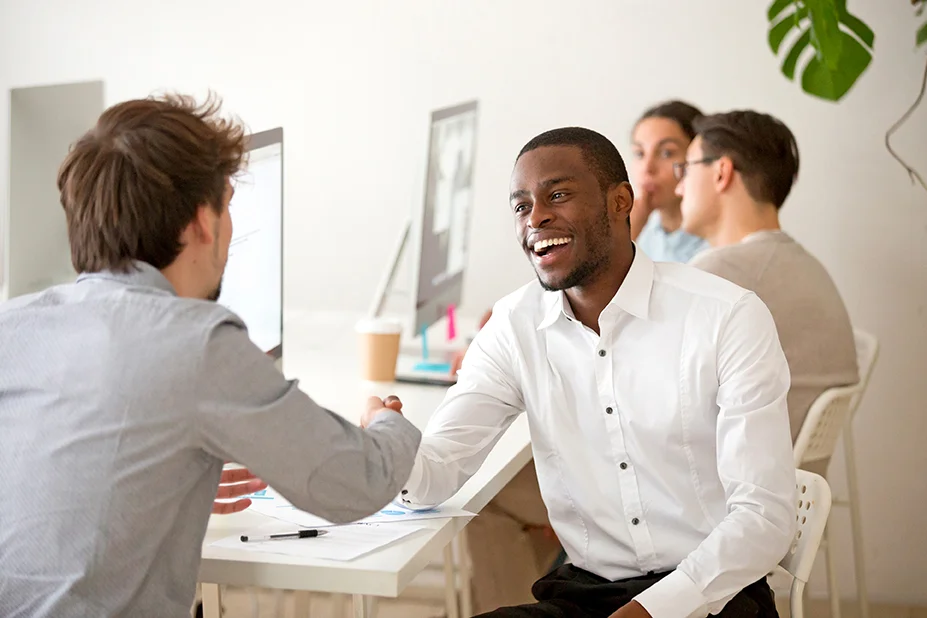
[656,399]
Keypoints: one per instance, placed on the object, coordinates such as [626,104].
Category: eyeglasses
[679,169]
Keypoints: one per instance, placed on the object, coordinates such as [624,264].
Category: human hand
[632,610]
[375,405]
[644,201]
[484,319]
[457,361]
[640,212]
[233,484]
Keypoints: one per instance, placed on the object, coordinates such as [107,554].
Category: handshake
[375,406]
[238,483]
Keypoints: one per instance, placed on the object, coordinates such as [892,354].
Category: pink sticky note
[451,323]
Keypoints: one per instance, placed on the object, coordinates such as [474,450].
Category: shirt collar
[633,295]
[764,234]
[139,274]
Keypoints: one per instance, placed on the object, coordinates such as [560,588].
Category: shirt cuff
[674,596]
[406,497]
[385,415]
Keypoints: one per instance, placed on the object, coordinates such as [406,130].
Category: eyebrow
[544,185]
[665,140]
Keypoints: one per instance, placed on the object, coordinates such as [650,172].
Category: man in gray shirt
[122,394]
[738,172]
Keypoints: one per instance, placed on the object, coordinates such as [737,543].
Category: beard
[597,239]
[577,277]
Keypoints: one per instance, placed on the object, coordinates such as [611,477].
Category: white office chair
[830,416]
[814,500]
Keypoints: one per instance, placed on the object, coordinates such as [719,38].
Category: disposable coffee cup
[379,348]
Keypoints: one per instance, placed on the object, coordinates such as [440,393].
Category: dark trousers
[570,592]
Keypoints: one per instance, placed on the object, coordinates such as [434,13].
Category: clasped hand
[240,482]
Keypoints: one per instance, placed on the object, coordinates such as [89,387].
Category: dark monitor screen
[446,212]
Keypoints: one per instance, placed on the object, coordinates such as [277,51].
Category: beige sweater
[814,328]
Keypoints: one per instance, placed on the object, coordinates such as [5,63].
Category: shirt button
[635,521]
[601,352]
[608,410]
[623,465]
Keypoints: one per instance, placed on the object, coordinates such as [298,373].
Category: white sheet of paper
[272,504]
[341,543]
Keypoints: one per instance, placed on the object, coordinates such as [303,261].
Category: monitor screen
[252,286]
[445,218]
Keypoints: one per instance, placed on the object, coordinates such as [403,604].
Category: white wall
[44,122]
[352,82]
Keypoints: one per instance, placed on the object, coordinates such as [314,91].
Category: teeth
[543,244]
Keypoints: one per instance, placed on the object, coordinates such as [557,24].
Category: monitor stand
[385,286]
[419,365]
[410,371]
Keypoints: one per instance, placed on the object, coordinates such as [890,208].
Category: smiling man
[656,399]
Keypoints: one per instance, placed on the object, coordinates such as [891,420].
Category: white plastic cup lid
[379,326]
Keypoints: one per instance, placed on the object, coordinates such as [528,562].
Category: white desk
[321,351]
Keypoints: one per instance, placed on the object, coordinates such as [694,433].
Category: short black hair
[761,147]
[682,113]
[598,151]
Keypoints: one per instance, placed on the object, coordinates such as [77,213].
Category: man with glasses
[738,173]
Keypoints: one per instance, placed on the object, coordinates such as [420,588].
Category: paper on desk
[269,502]
[342,543]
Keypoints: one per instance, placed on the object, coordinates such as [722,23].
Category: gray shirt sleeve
[250,414]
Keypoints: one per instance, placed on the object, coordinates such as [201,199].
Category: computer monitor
[441,221]
[439,235]
[252,286]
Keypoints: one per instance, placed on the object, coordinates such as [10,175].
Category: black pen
[302,534]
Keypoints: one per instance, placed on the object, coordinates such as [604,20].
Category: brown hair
[679,112]
[761,147]
[133,183]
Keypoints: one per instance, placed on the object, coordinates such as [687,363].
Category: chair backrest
[814,499]
[832,409]
[824,424]
[867,353]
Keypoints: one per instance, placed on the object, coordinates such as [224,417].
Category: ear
[620,199]
[204,226]
[724,174]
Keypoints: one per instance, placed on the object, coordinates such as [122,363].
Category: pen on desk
[302,534]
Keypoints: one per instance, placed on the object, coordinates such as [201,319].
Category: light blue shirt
[663,246]
[119,403]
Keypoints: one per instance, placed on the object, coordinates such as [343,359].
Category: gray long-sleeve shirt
[119,403]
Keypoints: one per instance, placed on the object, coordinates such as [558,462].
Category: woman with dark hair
[659,140]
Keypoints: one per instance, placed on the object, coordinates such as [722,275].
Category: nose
[540,216]
[650,164]
[680,187]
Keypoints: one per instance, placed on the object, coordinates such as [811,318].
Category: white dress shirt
[661,445]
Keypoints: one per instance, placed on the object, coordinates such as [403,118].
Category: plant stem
[912,173]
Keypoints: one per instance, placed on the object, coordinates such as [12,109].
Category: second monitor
[443,216]
[252,286]
[438,235]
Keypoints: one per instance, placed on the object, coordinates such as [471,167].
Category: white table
[321,351]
